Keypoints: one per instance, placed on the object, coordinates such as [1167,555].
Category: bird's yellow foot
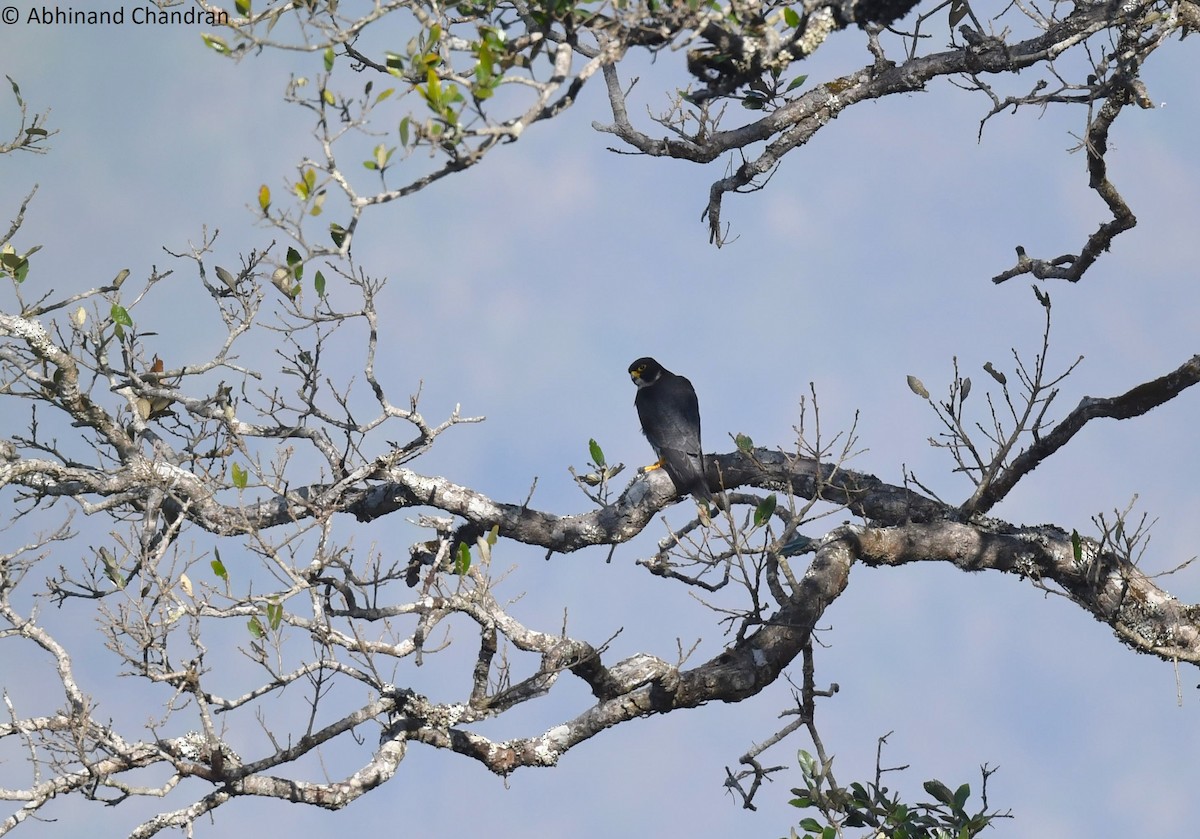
[651,467]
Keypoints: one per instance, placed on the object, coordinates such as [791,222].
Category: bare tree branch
[1133,403]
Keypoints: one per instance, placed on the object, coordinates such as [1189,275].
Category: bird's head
[645,371]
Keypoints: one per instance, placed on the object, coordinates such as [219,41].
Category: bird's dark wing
[670,417]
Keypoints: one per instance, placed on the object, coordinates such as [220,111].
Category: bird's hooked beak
[639,377]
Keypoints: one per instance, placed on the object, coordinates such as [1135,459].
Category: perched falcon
[670,415]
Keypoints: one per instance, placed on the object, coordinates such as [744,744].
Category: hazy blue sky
[523,289]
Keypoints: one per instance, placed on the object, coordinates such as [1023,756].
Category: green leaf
[790,17]
[327,97]
[16,265]
[319,284]
[274,614]
[404,131]
[1076,546]
[256,628]
[485,550]
[754,101]
[811,824]
[854,819]
[462,564]
[243,7]
[394,62]
[337,233]
[16,90]
[306,184]
[227,278]
[764,510]
[744,443]
[328,59]
[939,791]
[433,89]
[111,569]
[264,198]
[384,94]
[796,82]
[493,37]
[218,568]
[239,476]
[382,155]
[596,452]
[485,69]
[120,316]
[216,43]
[293,257]
[493,535]
[961,795]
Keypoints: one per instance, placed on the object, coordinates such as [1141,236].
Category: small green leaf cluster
[274,616]
[765,509]
[761,92]
[490,52]
[287,279]
[121,319]
[462,562]
[422,59]
[306,190]
[34,134]
[873,806]
[602,471]
[13,264]
[380,157]
[441,99]
[218,567]
[484,543]
[240,476]
[598,474]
